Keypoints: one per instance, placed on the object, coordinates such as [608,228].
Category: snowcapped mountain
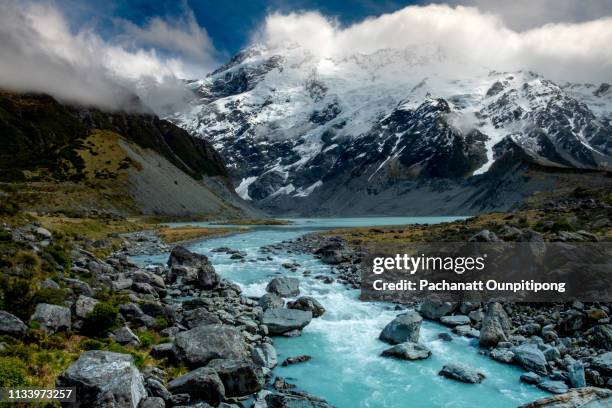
[364,133]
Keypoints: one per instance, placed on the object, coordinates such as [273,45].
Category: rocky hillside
[380,130]
[73,159]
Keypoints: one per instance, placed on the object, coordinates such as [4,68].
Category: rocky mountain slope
[71,159]
[367,134]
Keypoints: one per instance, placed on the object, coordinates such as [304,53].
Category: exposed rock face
[52,318]
[104,379]
[590,397]
[494,325]
[461,372]
[435,309]
[307,303]
[205,273]
[281,321]
[405,327]
[239,377]
[407,351]
[284,287]
[530,358]
[198,346]
[11,325]
[202,384]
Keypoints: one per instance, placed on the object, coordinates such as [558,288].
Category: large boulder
[181,260]
[202,384]
[84,305]
[281,321]
[601,336]
[407,351]
[270,301]
[307,303]
[603,363]
[199,317]
[284,287]
[198,346]
[52,318]
[104,379]
[434,309]
[265,355]
[239,377]
[462,372]
[495,326]
[590,397]
[331,254]
[301,400]
[11,325]
[405,327]
[456,320]
[531,358]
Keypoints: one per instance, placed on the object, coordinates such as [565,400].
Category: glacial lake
[346,368]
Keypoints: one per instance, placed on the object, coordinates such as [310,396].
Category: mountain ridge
[289,123]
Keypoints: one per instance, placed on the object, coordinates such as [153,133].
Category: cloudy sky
[102,52]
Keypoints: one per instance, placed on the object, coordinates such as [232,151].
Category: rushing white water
[346,368]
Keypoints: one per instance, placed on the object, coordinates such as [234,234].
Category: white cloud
[39,53]
[470,37]
[178,35]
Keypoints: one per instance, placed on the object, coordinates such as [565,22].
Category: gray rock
[152,402]
[476,316]
[79,287]
[155,388]
[530,378]
[280,400]
[48,284]
[435,309]
[462,372]
[265,355]
[104,379]
[205,274]
[122,284]
[84,305]
[445,337]
[52,318]
[495,326]
[601,336]
[284,287]
[124,335]
[281,321]
[503,355]
[239,377]
[270,301]
[530,358]
[603,363]
[198,317]
[163,350]
[407,351]
[555,387]
[456,320]
[198,346]
[42,233]
[405,327]
[307,303]
[587,397]
[466,331]
[575,374]
[484,236]
[11,325]
[202,384]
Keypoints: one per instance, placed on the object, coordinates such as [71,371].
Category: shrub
[92,344]
[13,372]
[161,322]
[102,319]
[52,296]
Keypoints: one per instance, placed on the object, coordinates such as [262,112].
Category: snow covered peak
[292,124]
